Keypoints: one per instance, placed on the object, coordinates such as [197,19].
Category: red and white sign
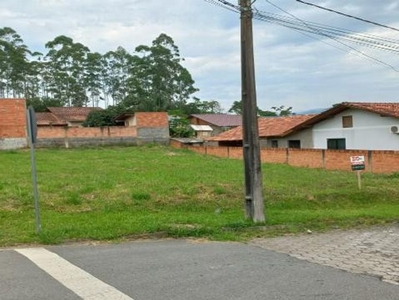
[357,160]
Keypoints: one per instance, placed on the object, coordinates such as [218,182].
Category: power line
[317,29]
[361,53]
[328,31]
[337,34]
[349,16]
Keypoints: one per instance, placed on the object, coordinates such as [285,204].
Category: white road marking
[77,280]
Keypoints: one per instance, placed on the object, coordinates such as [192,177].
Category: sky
[292,69]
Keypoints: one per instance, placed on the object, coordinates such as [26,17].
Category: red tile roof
[72,114]
[221,120]
[152,119]
[386,109]
[47,118]
[268,127]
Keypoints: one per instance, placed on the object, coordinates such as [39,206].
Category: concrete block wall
[159,135]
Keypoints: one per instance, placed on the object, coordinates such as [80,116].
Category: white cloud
[292,69]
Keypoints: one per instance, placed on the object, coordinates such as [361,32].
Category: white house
[354,125]
[348,125]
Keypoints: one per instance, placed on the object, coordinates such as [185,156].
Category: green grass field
[133,192]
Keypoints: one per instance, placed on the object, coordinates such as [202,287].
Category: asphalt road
[177,269]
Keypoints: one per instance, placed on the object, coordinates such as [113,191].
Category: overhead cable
[359,53]
[347,15]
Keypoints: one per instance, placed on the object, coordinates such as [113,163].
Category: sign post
[32,135]
[357,163]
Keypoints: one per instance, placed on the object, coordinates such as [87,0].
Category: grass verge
[128,192]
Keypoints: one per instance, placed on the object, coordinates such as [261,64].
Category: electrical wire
[316,28]
[359,53]
[312,29]
[349,16]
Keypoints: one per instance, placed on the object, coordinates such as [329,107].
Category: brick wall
[13,124]
[308,158]
[79,136]
[375,161]
[151,127]
[45,132]
[340,159]
[274,155]
[218,151]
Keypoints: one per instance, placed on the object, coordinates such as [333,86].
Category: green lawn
[133,192]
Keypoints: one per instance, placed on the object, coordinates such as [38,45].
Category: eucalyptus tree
[14,65]
[93,82]
[34,78]
[66,62]
[158,81]
[117,64]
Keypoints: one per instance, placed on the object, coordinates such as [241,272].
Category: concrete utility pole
[254,204]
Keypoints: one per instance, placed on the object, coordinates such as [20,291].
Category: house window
[274,143]
[347,122]
[336,144]
[294,144]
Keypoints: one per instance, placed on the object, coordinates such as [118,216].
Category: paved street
[373,251]
[178,270]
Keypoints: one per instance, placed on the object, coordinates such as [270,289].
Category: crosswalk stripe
[77,280]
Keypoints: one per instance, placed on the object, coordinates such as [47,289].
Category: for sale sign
[357,162]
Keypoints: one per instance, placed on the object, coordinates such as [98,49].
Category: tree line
[151,78]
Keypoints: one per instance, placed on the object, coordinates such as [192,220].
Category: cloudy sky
[292,69]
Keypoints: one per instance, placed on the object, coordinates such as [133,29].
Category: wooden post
[359,180]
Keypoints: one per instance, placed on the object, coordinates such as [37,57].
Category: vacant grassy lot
[117,193]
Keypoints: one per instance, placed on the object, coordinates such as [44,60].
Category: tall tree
[152,79]
[157,79]
[66,62]
[117,64]
[197,106]
[236,108]
[14,65]
[273,112]
[93,81]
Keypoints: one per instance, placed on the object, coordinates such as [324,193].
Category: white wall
[370,131]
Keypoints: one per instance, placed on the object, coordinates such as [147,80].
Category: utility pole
[254,204]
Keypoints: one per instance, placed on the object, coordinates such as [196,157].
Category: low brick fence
[71,137]
[85,136]
[375,161]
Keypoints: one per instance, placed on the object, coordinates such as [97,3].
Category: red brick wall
[306,158]
[340,159]
[175,144]
[235,152]
[152,119]
[116,131]
[385,161]
[273,155]
[375,161]
[218,151]
[12,118]
[198,149]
